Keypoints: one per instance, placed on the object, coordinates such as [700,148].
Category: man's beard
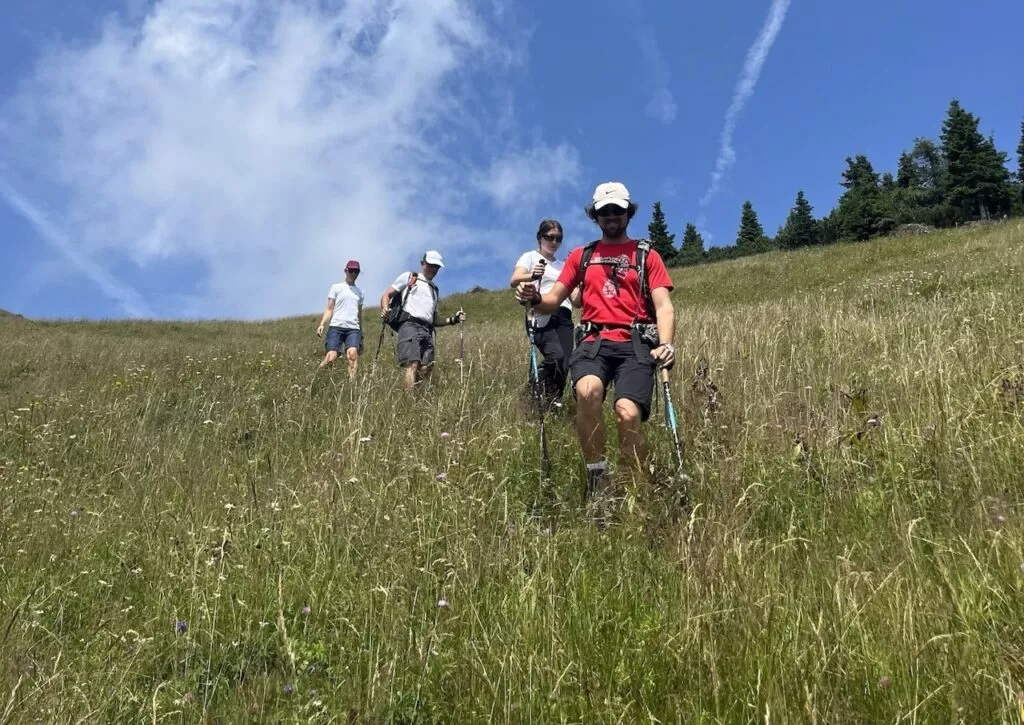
[614,230]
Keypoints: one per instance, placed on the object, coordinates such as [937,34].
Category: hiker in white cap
[626,328]
[552,333]
[413,298]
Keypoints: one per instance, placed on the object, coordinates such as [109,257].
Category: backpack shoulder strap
[588,252]
[643,248]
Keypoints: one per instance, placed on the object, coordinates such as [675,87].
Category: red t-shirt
[611,295]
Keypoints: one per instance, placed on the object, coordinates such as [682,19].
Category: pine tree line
[960,178]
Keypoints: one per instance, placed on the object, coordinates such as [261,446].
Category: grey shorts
[415,343]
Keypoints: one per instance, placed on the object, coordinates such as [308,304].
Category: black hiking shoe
[598,499]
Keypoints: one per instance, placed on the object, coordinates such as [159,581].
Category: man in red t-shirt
[619,345]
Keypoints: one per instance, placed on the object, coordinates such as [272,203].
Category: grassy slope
[152,473]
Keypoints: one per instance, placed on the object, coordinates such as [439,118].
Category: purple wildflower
[289,690]
[181,626]
[307,610]
[442,476]
[884,682]
[445,435]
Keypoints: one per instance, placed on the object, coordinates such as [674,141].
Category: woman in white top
[554,333]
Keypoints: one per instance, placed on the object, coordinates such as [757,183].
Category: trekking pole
[535,385]
[462,347]
[380,340]
[670,420]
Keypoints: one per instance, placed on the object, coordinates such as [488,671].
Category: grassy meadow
[191,532]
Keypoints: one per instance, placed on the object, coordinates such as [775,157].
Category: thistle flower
[181,626]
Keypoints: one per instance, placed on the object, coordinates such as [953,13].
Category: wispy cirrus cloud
[662,104]
[757,54]
[128,298]
[264,142]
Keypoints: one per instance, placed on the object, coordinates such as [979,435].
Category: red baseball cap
[352,264]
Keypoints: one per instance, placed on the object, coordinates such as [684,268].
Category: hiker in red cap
[344,311]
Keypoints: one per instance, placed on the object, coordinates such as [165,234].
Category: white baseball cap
[433,257]
[611,192]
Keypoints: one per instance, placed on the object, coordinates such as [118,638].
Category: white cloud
[756,57]
[264,142]
[526,178]
[662,105]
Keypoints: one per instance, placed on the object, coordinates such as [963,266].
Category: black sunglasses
[551,237]
[611,210]
[352,271]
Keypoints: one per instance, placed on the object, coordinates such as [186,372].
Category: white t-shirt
[421,300]
[347,299]
[551,272]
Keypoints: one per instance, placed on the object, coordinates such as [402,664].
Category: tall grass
[190,531]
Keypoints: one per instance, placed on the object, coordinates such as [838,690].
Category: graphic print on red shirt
[611,295]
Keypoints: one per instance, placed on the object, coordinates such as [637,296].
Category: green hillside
[190,531]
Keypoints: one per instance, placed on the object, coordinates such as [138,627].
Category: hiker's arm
[665,314]
[520,275]
[455,319]
[524,274]
[328,311]
[385,299]
[576,298]
[550,302]
[666,318]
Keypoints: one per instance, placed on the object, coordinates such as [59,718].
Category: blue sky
[223,158]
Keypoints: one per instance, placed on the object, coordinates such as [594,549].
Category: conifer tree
[1020,155]
[859,211]
[800,229]
[692,250]
[976,178]
[659,236]
[751,238]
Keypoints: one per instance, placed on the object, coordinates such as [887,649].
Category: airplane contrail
[757,54]
[130,300]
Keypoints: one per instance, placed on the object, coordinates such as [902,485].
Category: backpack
[396,306]
[643,248]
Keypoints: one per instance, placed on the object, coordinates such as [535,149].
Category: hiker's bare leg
[589,426]
[632,446]
[329,359]
[425,371]
[352,355]
[411,375]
